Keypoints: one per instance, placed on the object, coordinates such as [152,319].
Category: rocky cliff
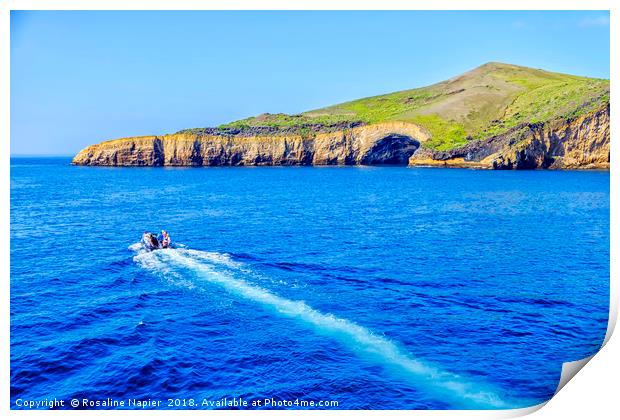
[581,142]
[390,143]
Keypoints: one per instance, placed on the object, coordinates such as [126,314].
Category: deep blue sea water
[377,287]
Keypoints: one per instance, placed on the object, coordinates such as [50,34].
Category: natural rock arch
[393,149]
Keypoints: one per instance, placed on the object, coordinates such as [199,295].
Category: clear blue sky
[81,77]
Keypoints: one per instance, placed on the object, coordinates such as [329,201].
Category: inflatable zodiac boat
[150,241]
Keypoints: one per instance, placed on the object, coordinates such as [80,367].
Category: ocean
[303,287]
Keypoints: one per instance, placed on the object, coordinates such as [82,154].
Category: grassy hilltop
[483,102]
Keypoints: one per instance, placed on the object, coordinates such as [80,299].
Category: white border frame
[598,386]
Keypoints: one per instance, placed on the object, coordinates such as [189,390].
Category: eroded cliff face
[582,142]
[379,143]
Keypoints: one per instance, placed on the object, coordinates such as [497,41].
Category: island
[496,116]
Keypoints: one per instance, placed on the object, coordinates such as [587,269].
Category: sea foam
[454,389]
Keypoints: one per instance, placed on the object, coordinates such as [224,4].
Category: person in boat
[150,241]
[165,239]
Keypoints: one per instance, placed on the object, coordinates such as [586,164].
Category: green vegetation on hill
[486,101]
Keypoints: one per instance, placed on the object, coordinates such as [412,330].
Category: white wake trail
[444,385]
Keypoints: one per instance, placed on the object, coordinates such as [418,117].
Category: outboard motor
[150,242]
